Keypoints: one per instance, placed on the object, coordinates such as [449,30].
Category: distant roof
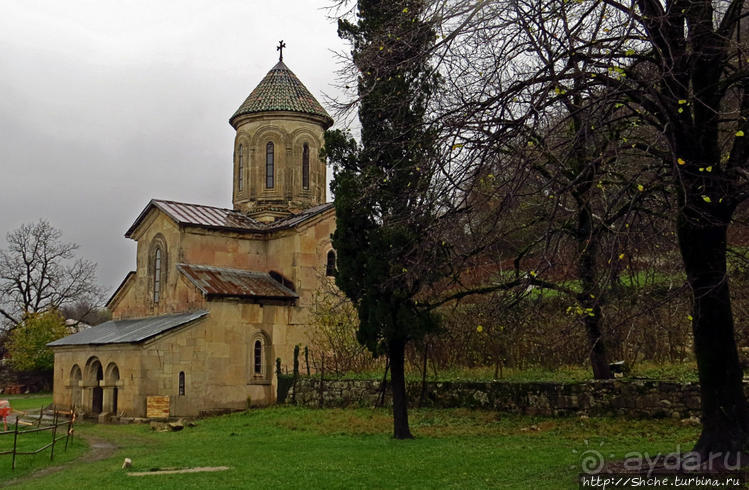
[281,90]
[128,331]
[221,218]
[75,326]
[218,281]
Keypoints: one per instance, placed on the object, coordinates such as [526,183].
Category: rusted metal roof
[222,218]
[219,281]
[133,330]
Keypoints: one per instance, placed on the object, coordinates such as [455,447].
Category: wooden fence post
[41,412]
[15,439]
[72,425]
[54,433]
[53,428]
[70,428]
[321,399]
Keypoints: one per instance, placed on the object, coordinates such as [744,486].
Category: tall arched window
[269,165]
[257,366]
[305,166]
[330,265]
[158,262]
[182,383]
[240,170]
[157,275]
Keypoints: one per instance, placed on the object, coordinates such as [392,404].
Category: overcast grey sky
[106,104]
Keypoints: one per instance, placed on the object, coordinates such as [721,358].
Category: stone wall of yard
[612,397]
[13,382]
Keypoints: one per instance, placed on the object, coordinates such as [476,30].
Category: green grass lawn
[334,448]
[32,441]
[28,402]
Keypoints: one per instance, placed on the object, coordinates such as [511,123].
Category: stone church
[217,294]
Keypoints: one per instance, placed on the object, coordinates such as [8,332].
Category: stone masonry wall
[612,397]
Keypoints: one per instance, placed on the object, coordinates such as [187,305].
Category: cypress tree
[385,213]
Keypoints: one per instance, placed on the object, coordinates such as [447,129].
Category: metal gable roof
[222,218]
[133,330]
[199,215]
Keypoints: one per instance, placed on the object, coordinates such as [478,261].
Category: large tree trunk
[598,358]
[398,387]
[590,297]
[725,418]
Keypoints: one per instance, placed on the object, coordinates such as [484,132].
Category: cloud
[108,104]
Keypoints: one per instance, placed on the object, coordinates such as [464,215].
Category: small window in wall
[240,170]
[182,383]
[330,265]
[305,167]
[269,165]
[157,275]
[257,368]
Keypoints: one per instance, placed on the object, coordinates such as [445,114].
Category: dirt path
[98,449]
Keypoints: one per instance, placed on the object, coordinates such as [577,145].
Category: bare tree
[521,127]
[675,68]
[40,272]
[84,313]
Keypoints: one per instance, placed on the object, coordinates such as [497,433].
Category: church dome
[281,90]
[277,166]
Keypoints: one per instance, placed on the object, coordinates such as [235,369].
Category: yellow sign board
[157,407]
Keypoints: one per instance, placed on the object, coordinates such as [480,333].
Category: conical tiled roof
[281,90]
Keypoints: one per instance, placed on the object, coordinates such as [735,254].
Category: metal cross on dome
[280,47]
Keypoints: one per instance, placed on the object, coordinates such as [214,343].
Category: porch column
[87,398]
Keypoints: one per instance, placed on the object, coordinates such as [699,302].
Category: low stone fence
[638,398]
[12,382]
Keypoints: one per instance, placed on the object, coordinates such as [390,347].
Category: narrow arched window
[330,265]
[305,166]
[269,164]
[157,275]
[182,383]
[240,170]
[258,359]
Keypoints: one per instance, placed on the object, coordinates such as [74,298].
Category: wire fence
[28,434]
